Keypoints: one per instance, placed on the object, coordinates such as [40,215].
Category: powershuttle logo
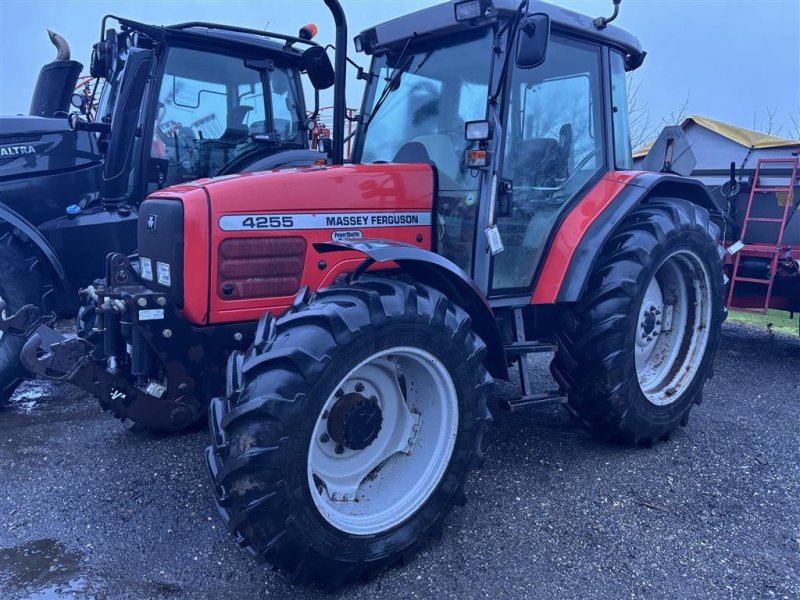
[11,151]
[346,236]
[324,221]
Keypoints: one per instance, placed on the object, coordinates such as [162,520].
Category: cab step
[533,347]
[533,400]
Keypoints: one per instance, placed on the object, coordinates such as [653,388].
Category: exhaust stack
[339,89]
[56,82]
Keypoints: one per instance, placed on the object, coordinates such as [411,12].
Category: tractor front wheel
[635,352]
[349,429]
[19,285]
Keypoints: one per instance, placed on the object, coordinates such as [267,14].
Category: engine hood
[234,217]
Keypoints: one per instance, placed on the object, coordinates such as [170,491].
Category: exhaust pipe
[339,86]
[62,47]
[56,82]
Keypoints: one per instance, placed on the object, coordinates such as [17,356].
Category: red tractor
[489,213]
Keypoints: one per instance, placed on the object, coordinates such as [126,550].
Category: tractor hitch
[134,351]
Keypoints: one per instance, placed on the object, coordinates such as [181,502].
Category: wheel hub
[355,421]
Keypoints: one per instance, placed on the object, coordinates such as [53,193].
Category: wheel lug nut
[658,322]
[359,387]
[325,414]
[339,449]
[324,438]
[644,336]
[339,393]
[373,398]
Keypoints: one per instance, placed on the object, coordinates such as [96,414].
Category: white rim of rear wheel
[3,314]
[673,327]
[369,490]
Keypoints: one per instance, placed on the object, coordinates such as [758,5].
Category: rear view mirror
[318,67]
[534,37]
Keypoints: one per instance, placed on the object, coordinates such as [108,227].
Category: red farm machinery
[754,178]
[489,212]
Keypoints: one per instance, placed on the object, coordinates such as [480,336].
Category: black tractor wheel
[19,285]
[636,350]
[349,429]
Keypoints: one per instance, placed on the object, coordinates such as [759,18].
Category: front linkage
[134,352]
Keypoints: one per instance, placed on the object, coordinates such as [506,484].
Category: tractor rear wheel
[19,285]
[349,429]
[636,350]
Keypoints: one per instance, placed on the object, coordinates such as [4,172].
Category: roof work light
[471,10]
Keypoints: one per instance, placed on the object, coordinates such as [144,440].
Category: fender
[575,248]
[13,218]
[438,272]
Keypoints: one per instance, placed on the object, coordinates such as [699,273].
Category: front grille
[260,267]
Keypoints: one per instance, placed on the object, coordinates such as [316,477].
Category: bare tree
[767,125]
[642,130]
[795,132]
[677,117]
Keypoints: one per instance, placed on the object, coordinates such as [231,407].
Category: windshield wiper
[391,86]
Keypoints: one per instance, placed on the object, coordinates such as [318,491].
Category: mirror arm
[360,73]
[602,22]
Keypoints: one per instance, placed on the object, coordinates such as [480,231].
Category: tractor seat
[442,153]
[236,128]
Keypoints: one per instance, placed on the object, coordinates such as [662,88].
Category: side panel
[584,232]
[573,231]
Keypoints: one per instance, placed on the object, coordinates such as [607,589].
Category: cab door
[554,152]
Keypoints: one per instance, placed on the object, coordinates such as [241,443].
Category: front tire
[636,350]
[349,429]
[19,285]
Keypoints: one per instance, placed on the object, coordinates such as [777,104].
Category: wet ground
[89,510]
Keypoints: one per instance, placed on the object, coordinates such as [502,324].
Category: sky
[731,60]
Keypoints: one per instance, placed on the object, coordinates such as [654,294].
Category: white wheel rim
[673,327]
[374,489]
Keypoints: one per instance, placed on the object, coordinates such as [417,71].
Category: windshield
[210,106]
[437,89]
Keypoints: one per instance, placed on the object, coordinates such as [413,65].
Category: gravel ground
[88,510]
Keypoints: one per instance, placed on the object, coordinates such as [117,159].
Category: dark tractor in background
[178,103]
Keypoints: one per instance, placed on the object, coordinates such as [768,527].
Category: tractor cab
[197,100]
[521,109]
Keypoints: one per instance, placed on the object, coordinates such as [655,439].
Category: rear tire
[636,350]
[282,447]
[19,285]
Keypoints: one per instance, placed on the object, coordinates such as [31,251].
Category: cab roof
[440,20]
[198,33]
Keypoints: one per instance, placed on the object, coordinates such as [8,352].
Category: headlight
[163,273]
[146,269]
